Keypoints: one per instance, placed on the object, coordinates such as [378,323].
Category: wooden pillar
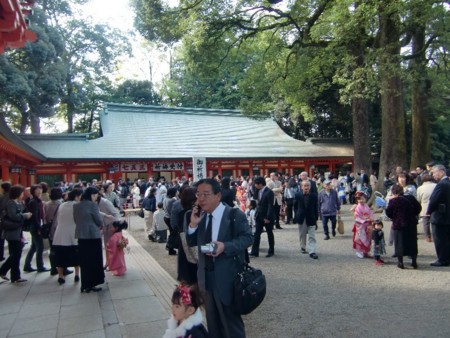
[219,168]
[149,169]
[68,175]
[307,169]
[185,168]
[331,166]
[30,179]
[14,178]
[23,178]
[5,173]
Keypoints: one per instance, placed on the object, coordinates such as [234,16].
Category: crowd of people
[227,215]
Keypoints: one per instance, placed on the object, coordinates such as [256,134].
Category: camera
[209,248]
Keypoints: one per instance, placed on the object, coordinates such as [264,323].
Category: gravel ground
[339,295]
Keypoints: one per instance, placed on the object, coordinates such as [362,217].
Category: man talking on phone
[220,234]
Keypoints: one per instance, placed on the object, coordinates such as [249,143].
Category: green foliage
[134,91]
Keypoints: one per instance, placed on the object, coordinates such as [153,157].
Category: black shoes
[77,278]
[400,265]
[333,232]
[29,269]
[18,281]
[327,237]
[94,289]
[270,254]
[279,227]
[172,252]
[313,256]
[437,263]
[61,281]
[253,255]
[43,269]
[303,251]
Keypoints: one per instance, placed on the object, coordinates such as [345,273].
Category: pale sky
[118,14]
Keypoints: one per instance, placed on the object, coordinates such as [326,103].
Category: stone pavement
[337,295]
[134,305]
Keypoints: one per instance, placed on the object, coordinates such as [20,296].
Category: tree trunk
[393,144]
[24,122]
[35,124]
[360,119]
[421,149]
[70,107]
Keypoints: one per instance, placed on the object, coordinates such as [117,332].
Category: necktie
[209,262]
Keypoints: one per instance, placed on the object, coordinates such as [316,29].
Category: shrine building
[152,141]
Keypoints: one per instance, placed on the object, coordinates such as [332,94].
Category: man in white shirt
[231,234]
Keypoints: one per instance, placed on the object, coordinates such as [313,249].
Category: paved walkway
[134,305]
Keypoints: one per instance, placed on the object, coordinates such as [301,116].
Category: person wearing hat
[329,206]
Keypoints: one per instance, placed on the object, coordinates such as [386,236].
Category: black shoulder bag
[249,283]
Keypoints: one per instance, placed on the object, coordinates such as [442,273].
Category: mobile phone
[199,210]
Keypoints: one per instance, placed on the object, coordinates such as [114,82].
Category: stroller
[380,202]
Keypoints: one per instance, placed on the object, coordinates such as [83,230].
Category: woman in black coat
[187,271]
[36,207]
[404,211]
[14,213]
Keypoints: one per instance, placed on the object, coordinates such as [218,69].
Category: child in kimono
[116,246]
[186,320]
[362,229]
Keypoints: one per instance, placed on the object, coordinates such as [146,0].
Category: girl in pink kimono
[116,246]
[362,230]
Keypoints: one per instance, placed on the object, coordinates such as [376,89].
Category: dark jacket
[329,204]
[309,212]
[14,212]
[439,206]
[36,207]
[228,197]
[236,239]
[149,203]
[265,210]
[404,211]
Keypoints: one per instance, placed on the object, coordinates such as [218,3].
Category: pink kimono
[116,253]
[362,236]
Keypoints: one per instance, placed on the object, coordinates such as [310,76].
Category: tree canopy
[320,67]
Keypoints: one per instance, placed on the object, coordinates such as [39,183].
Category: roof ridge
[119,107]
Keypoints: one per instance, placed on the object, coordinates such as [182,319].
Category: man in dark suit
[306,218]
[439,209]
[217,270]
[265,216]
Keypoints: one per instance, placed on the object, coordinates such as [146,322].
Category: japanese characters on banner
[132,167]
[199,168]
[168,166]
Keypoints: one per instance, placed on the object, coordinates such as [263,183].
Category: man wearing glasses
[217,268]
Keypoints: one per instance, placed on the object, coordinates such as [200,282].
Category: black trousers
[223,321]
[260,225]
[13,261]
[276,209]
[289,210]
[2,248]
[441,238]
